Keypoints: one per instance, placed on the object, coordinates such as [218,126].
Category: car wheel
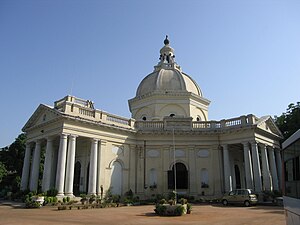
[247,203]
[225,202]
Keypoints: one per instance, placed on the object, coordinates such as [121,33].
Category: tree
[12,158]
[3,171]
[289,122]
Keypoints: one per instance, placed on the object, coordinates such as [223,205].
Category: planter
[39,199]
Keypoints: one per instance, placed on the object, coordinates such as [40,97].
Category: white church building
[168,141]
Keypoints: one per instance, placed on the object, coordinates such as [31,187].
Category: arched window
[172,115]
[152,178]
[204,178]
[116,178]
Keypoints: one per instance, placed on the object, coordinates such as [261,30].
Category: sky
[244,55]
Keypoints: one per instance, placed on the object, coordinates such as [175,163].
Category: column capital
[224,146]
[50,138]
[94,140]
[72,136]
[28,144]
[64,135]
[38,141]
[262,145]
[253,142]
[245,143]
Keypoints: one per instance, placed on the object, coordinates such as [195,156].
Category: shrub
[183,201]
[161,210]
[188,208]
[52,192]
[178,211]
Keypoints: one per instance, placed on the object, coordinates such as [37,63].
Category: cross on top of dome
[166,41]
[167,53]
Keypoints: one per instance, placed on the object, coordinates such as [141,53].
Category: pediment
[267,123]
[43,114]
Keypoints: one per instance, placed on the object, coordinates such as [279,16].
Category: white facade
[85,148]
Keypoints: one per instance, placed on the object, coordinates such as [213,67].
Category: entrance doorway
[76,183]
[181,177]
[237,177]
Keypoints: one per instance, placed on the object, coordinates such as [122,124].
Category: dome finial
[166,41]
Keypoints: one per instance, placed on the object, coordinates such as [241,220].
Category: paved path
[142,215]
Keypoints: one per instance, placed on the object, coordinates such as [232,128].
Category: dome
[167,76]
[166,79]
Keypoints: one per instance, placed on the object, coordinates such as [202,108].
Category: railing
[117,119]
[86,112]
[150,125]
[242,121]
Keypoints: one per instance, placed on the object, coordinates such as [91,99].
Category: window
[204,178]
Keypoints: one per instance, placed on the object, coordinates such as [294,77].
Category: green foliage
[183,201]
[3,171]
[12,158]
[179,210]
[160,210]
[163,201]
[52,192]
[189,208]
[289,122]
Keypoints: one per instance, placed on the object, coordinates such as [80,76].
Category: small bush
[52,192]
[161,210]
[178,211]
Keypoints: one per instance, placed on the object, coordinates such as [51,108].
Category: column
[279,167]
[34,177]
[93,168]
[256,168]
[227,172]
[61,165]
[273,168]
[100,176]
[265,168]
[26,167]
[70,166]
[248,166]
[47,165]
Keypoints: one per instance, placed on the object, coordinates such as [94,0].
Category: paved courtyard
[142,215]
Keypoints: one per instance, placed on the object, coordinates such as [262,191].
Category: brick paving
[11,214]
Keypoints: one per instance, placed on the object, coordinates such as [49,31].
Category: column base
[60,195]
[69,195]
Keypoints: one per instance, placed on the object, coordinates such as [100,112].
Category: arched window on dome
[198,118]
[144,118]
[172,115]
